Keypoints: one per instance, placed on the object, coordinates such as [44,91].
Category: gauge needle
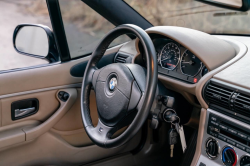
[190,62]
[166,58]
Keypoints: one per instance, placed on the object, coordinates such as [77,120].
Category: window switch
[63,96]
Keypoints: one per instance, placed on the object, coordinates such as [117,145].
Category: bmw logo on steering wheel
[112,83]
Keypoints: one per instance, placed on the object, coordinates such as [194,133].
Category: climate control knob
[245,161]
[212,148]
[229,156]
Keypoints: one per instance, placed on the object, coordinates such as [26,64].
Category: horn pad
[113,90]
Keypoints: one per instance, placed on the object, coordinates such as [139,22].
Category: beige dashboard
[216,53]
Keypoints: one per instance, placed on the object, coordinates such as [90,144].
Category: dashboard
[209,68]
[186,58]
[176,61]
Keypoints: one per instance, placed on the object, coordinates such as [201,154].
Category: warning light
[195,80]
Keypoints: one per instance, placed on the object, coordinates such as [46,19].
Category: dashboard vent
[218,95]
[122,58]
[228,99]
[242,104]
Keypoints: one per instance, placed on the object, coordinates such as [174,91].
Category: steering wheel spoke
[101,133]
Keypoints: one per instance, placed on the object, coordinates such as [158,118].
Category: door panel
[25,131]
[33,79]
[65,124]
[55,134]
[47,106]
[74,132]
[52,149]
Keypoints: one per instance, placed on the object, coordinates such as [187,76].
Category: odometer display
[170,56]
[190,64]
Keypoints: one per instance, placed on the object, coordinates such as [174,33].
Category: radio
[229,132]
[226,141]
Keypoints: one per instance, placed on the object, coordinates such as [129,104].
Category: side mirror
[238,5]
[35,40]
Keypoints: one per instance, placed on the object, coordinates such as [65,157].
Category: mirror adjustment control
[212,148]
[63,96]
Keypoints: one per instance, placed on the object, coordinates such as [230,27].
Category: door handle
[22,112]
[24,108]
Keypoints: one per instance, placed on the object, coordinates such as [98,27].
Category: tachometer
[190,64]
[170,56]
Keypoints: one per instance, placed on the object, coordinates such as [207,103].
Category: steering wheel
[124,92]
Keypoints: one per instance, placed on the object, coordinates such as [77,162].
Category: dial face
[170,56]
[190,64]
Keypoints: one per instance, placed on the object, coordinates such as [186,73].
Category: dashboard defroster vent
[122,58]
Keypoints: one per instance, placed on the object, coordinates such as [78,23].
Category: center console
[226,138]
[226,141]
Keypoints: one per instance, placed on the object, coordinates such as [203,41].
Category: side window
[16,12]
[84,27]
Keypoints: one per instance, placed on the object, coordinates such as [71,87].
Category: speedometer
[190,64]
[170,56]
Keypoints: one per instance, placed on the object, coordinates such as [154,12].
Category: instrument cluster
[176,61]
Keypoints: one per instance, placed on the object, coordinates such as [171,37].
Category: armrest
[34,132]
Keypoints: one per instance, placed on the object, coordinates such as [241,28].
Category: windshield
[194,15]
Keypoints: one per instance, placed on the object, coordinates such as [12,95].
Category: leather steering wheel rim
[98,134]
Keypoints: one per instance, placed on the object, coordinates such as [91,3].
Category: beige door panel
[48,104]
[72,120]
[55,134]
[26,131]
[54,75]
[12,135]
[51,149]
[34,132]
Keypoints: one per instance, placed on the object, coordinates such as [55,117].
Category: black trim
[245,5]
[118,13]
[58,28]
[188,156]
[144,133]
[138,13]
[79,69]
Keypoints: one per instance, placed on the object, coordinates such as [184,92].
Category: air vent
[122,58]
[242,104]
[218,95]
[228,99]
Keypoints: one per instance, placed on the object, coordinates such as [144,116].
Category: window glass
[16,12]
[193,14]
[84,27]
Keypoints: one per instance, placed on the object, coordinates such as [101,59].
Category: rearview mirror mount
[35,40]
